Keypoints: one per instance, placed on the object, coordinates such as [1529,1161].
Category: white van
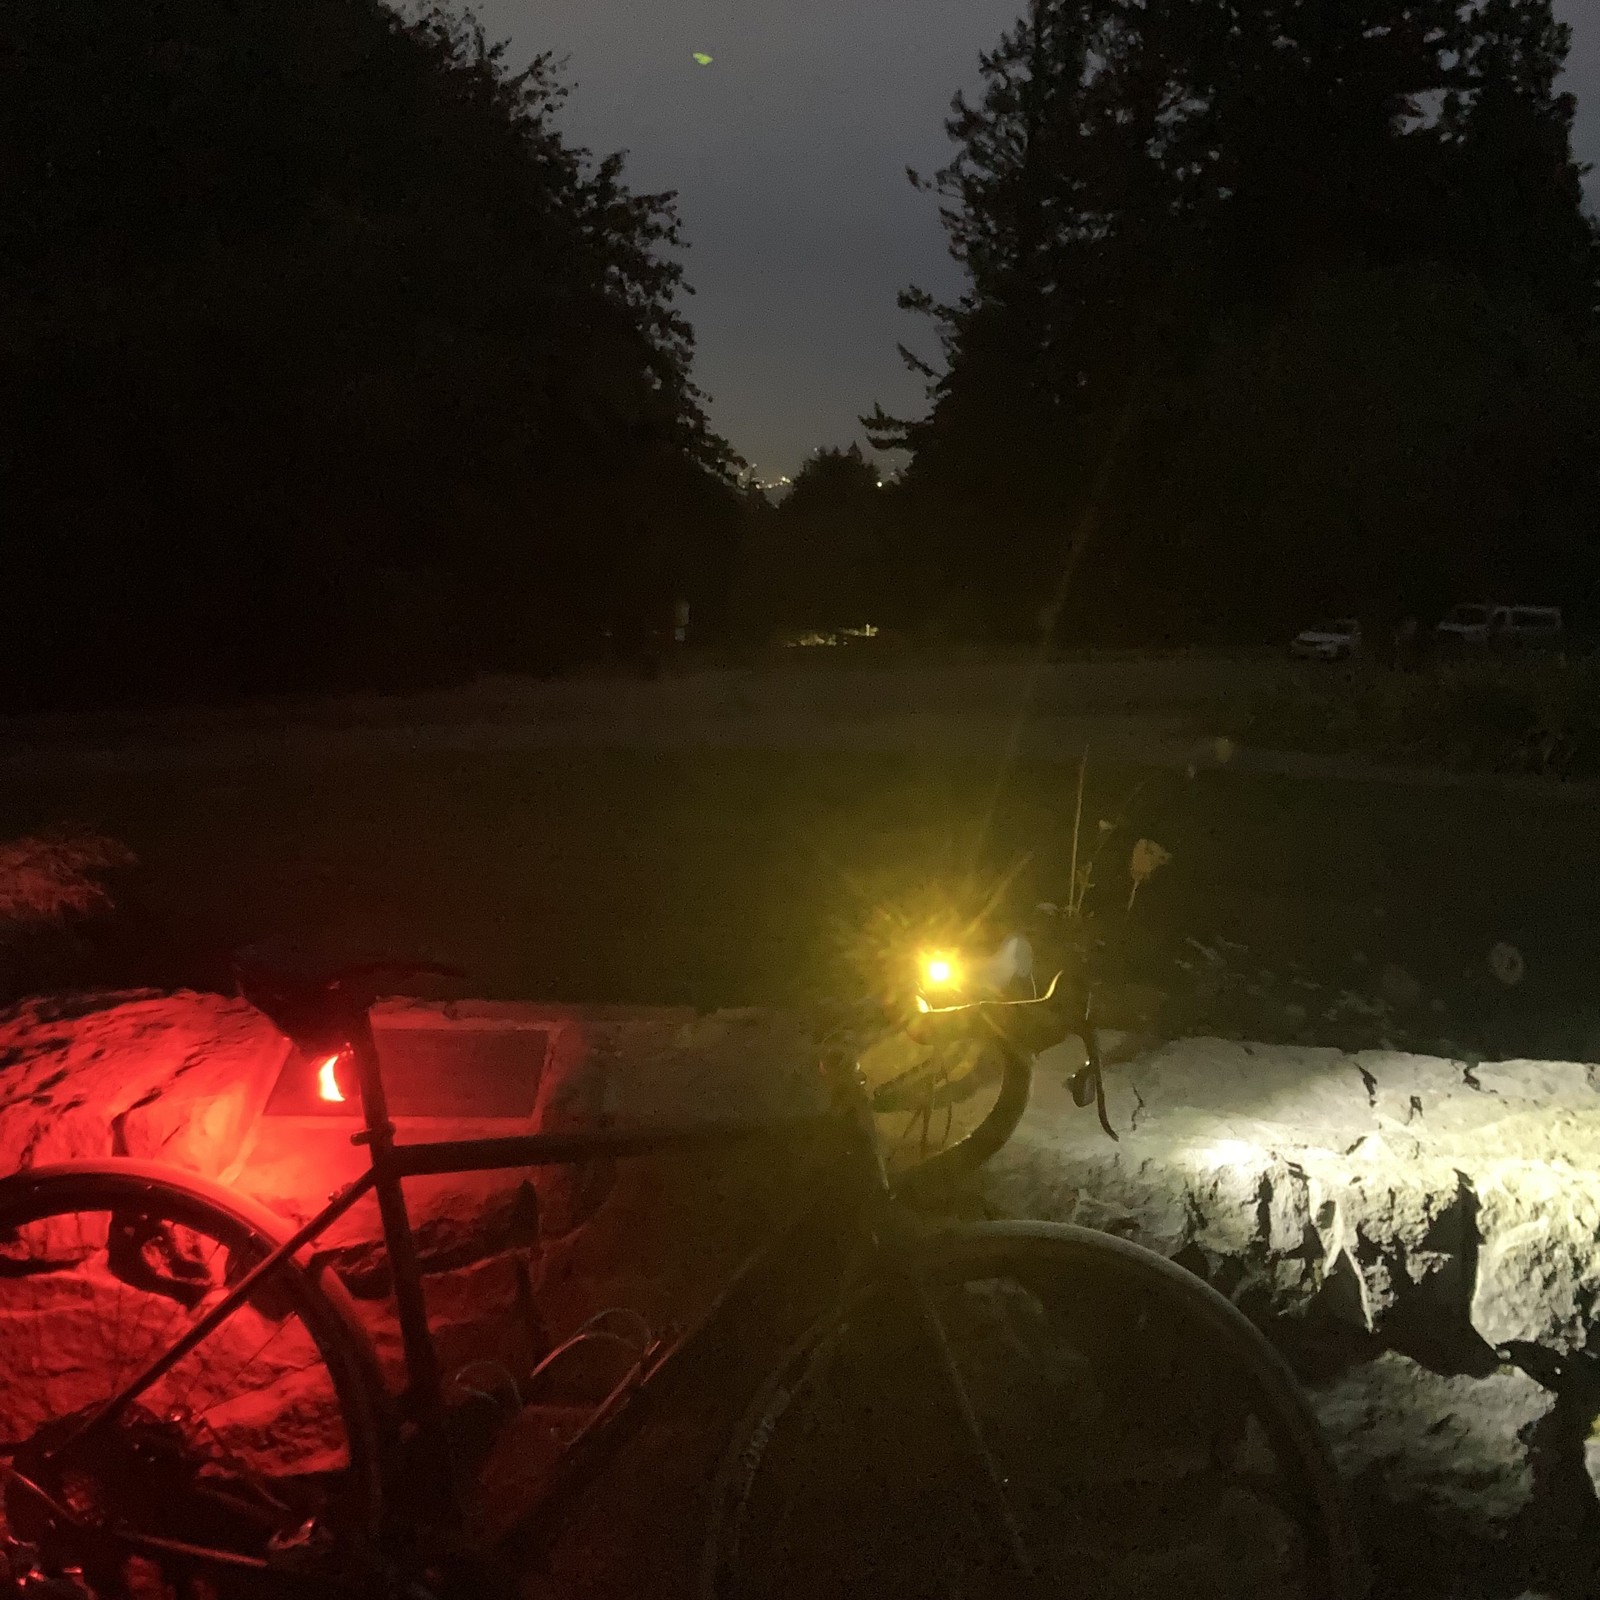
[1532,626]
[1482,626]
[1472,626]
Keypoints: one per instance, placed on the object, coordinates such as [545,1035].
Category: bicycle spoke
[972,1428]
[1005,1439]
[244,1435]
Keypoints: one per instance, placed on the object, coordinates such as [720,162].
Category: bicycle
[973,1408]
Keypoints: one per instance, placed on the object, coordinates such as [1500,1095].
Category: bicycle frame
[423,1401]
[391,1163]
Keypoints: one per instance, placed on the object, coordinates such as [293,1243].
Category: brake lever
[1088,1082]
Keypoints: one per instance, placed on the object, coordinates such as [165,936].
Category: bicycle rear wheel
[1149,1441]
[260,1446]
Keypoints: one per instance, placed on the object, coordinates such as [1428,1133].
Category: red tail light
[327,1080]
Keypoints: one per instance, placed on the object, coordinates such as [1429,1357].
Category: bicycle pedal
[302,1548]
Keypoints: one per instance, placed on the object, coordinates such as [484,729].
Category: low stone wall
[1421,1237]
[178,1078]
[514,1259]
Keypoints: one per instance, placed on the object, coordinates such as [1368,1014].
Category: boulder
[1447,1476]
[1442,1449]
[1439,1222]
[1379,1185]
[177,1077]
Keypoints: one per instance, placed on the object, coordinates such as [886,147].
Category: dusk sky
[788,153]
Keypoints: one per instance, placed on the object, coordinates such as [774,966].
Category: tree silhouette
[817,559]
[312,313]
[1179,215]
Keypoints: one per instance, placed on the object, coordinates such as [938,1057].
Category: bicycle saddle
[316,1005]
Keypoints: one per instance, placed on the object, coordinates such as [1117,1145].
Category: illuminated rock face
[177,1078]
[514,1259]
[1376,1187]
[1437,1226]
[1433,1229]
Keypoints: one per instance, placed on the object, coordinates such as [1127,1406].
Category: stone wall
[515,1259]
[1419,1236]
[178,1078]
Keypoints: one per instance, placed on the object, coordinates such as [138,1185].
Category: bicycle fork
[982,1457]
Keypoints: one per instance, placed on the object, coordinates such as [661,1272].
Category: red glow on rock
[327,1082]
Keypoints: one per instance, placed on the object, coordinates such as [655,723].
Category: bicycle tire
[87,1268]
[1082,1268]
[934,1177]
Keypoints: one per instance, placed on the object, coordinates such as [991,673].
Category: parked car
[1338,640]
[1472,627]
[1530,627]
[1479,627]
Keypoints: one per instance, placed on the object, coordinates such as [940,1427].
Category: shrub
[1532,715]
[46,878]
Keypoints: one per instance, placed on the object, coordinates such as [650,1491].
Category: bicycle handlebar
[993,1004]
[1016,1083]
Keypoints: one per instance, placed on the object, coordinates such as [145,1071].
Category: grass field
[721,878]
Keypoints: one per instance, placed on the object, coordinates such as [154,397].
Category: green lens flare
[702,58]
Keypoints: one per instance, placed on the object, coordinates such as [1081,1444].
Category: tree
[1391,441]
[308,306]
[816,560]
[1147,193]
[1514,189]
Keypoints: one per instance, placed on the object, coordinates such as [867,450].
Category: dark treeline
[1274,307]
[324,360]
[819,557]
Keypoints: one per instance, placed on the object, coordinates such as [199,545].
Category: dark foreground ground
[1334,909]
[1340,910]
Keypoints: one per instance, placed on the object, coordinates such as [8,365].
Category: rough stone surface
[515,1258]
[177,1078]
[1435,1225]
[57,1353]
[1454,1448]
[1379,1185]
[514,1261]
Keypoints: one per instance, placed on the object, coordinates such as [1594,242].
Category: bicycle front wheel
[1139,1439]
[255,1454]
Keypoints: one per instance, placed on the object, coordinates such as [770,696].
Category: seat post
[425,1381]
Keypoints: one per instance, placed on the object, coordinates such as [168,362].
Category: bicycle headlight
[941,971]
